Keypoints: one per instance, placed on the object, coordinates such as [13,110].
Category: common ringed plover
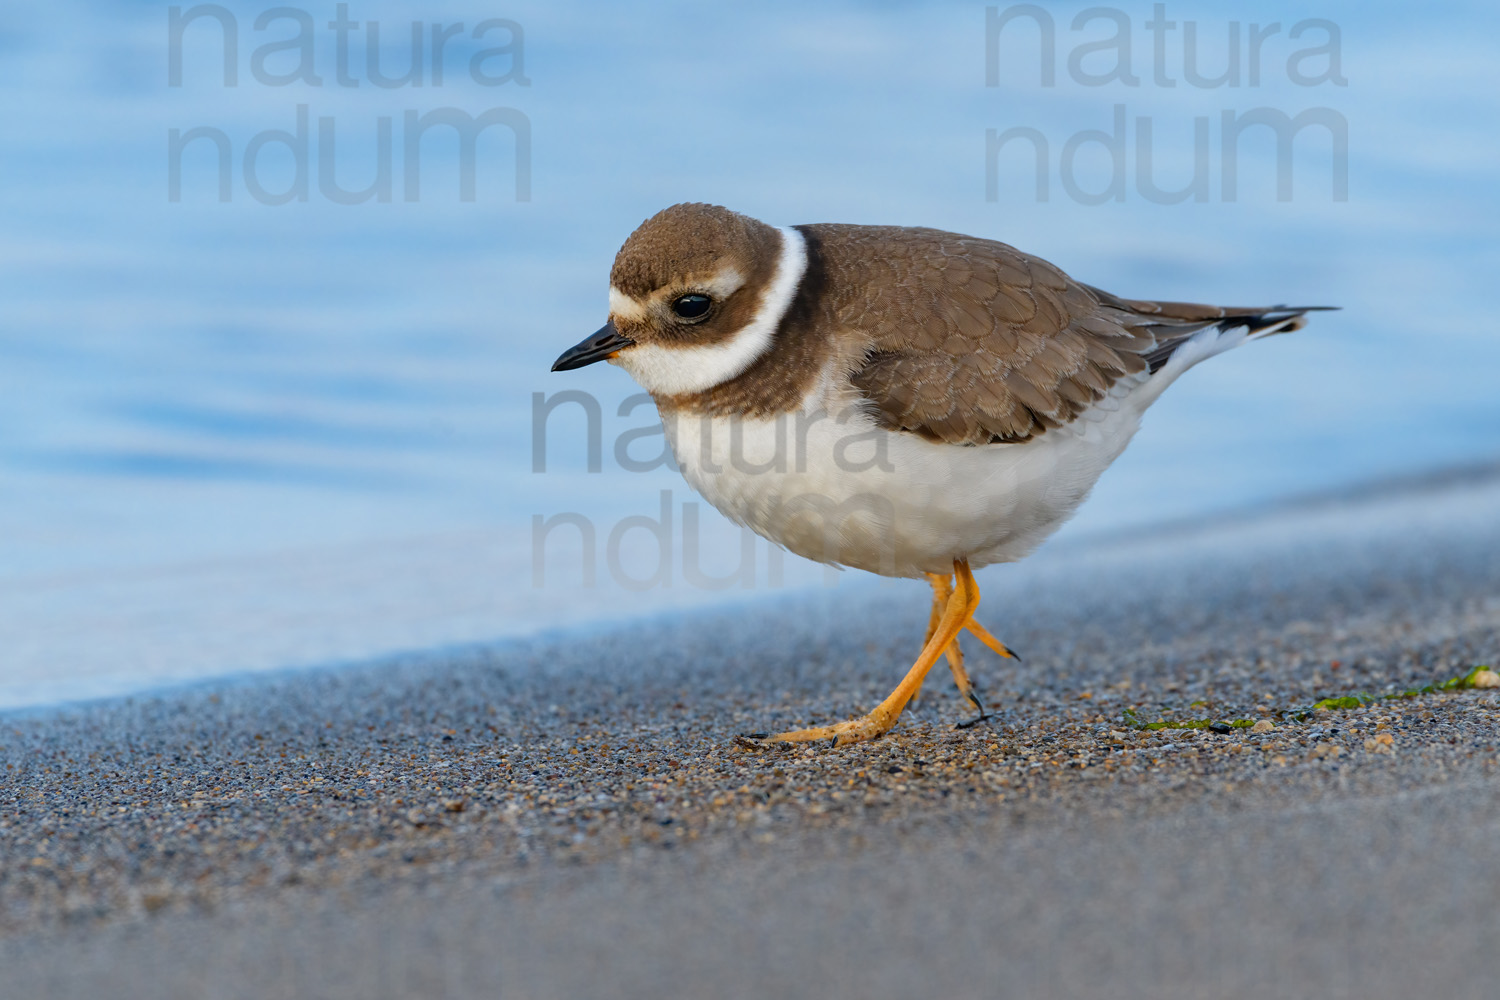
[907,401]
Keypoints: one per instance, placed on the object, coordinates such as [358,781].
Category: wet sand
[569,816]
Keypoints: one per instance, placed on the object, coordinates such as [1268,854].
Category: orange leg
[952,611]
[942,589]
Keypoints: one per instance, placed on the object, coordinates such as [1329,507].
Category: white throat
[677,371]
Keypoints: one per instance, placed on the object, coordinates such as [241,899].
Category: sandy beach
[1160,807]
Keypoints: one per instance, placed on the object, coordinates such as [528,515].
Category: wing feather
[971,341]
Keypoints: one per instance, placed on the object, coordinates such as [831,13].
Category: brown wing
[971,341]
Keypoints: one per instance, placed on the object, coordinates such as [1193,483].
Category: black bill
[605,342]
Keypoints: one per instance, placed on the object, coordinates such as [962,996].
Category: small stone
[1117,735]
[1381,743]
[1221,727]
[454,805]
[415,817]
[1486,679]
[1326,751]
[1263,726]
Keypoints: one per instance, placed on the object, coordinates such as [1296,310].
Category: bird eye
[692,306]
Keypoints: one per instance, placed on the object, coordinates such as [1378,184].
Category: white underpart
[675,371]
[812,482]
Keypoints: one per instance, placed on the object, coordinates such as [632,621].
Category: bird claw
[761,741]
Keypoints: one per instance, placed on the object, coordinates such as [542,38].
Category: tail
[1240,326]
[1171,326]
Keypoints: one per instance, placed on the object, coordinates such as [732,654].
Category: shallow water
[238,436]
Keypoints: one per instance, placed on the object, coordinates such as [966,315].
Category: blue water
[238,436]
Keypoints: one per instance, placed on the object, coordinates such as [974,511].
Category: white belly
[848,493]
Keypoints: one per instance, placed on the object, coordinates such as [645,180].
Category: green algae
[1130,718]
[1360,699]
